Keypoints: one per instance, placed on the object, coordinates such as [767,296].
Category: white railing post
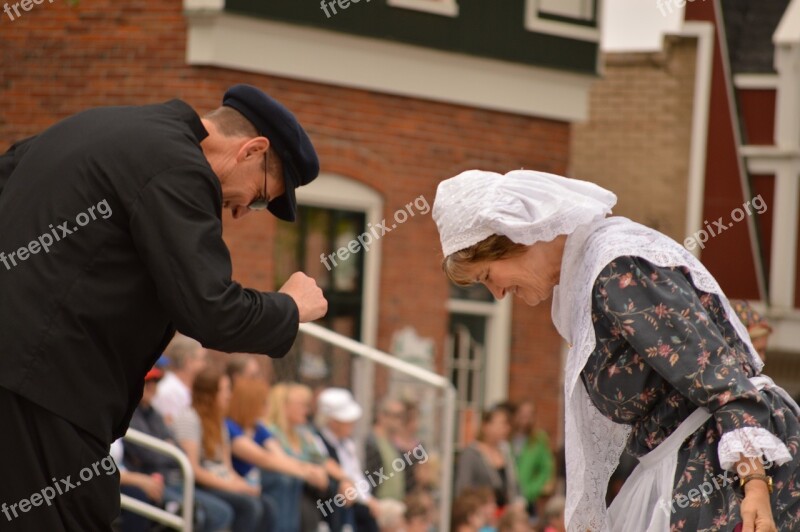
[154,513]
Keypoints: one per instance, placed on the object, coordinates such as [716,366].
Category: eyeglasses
[262,202]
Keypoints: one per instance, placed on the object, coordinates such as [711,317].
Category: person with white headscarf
[658,360]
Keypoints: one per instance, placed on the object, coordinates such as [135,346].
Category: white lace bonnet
[523,205]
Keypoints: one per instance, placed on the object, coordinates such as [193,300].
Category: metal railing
[182,522]
[429,377]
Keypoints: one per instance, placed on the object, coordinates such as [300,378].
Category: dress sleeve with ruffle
[667,322]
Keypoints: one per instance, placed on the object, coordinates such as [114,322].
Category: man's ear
[255,147]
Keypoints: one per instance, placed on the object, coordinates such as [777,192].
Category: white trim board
[448,8]
[755,81]
[785,166]
[535,23]
[225,40]
[788,30]
[786,327]
[704,33]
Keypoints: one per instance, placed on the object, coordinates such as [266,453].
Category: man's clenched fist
[308,296]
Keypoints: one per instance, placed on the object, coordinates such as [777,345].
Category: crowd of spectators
[272,458]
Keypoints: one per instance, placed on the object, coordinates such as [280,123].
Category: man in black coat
[110,240]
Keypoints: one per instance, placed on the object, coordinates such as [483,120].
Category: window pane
[580,9]
[311,245]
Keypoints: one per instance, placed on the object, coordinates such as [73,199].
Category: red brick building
[396,95]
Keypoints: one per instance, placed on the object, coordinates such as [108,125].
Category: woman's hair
[391,515]
[485,494]
[236,365]
[419,505]
[512,517]
[410,411]
[496,247]
[247,402]
[204,401]
[488,415]
[554,507]
[180,350]
[276,411]
[464,507]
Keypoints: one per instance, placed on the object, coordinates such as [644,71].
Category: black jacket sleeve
[10,159]
[176,227]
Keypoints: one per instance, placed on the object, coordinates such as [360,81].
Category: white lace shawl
[593,442]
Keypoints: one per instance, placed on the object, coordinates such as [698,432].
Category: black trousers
[54,477]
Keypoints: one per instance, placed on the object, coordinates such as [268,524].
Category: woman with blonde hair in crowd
[202,434]
[254,449]
[287,419]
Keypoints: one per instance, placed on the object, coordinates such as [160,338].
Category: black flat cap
[286,136]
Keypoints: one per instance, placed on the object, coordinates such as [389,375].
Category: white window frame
[533,22]
[448,8]
[498,341]
[333,191]
[466,372]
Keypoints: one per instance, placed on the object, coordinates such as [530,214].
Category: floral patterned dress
[663,349]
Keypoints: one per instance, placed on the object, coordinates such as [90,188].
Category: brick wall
[57,60]
[636,142]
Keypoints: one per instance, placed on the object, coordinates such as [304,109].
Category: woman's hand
[374,507]
[151,485]
[316,476]
[756,509]
[344,486]
[240,485]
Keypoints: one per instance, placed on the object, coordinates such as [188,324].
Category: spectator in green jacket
[534,459]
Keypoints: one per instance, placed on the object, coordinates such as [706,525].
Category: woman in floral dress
[658,361]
